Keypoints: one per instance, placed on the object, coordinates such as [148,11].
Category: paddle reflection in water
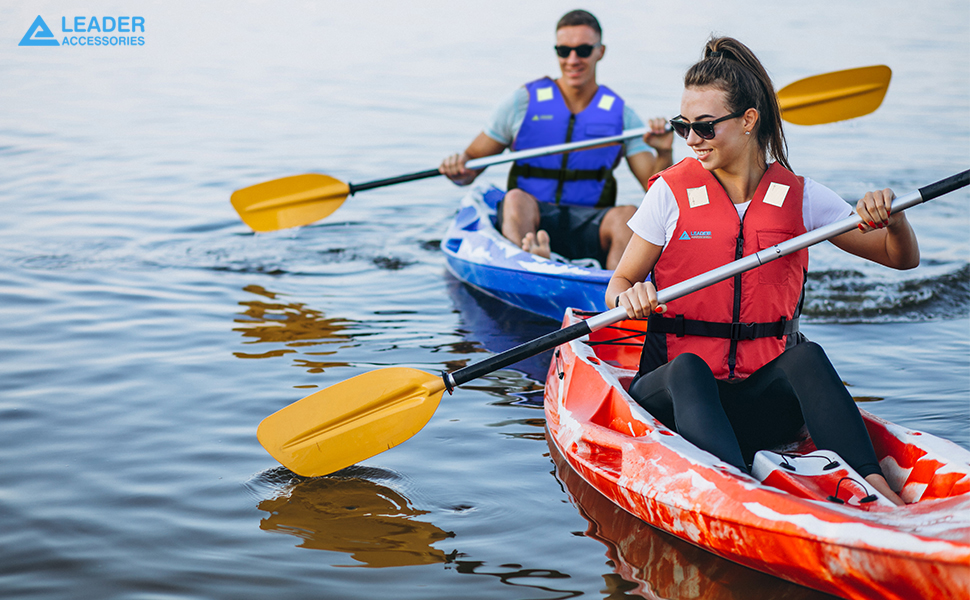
[377,526]
[290,325]
[374,524]
[651,564]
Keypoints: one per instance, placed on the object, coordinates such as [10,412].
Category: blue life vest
[583,178]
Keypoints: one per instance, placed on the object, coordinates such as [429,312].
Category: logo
[542,117]
[95,28]
[39,34]
[695,235]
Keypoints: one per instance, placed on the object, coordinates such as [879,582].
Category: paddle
[365,415]
[303,199]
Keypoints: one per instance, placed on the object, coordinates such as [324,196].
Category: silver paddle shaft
[757,259]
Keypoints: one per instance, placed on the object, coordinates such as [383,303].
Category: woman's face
[730,144]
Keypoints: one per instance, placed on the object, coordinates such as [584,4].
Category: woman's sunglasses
[582,51]
[703,129]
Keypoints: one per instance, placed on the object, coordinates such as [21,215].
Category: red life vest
[740,324]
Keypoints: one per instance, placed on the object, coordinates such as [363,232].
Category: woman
[726,366]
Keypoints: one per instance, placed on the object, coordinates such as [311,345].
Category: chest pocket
[777,272]
[598,130]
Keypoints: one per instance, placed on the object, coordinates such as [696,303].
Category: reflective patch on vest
[606,102]
[543,94]
[697,196]
[776,194]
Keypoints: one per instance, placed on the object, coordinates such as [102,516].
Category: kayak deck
[479,255]
[851,549]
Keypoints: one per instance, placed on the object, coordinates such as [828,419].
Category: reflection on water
[347,513]
[651,564]
[351,513]
[291,325]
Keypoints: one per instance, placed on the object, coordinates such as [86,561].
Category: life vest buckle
[743,331]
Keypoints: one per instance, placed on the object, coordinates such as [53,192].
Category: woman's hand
[641,300]
[875,209]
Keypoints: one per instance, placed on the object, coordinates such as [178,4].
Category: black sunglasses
[582,51]
[703,129]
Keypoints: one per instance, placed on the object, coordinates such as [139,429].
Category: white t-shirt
[656,219]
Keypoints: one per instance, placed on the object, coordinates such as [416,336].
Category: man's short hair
[579,17]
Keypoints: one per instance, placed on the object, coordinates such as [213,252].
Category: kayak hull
[477,254]
[918,551]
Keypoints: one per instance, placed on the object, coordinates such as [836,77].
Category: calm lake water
[145,331]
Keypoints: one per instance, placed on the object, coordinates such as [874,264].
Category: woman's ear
[750,119]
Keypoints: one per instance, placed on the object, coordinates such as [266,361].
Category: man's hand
[658,137]
[453,167]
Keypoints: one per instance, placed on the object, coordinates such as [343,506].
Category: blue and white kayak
[482,257]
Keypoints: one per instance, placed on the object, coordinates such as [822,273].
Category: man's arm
[645,165]
[453,167]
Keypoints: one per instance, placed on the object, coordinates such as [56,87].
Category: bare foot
[882,486]
[537,243]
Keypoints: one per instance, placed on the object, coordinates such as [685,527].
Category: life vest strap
[680,327]
[520,170]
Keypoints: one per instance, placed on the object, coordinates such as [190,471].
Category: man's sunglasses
[703,129]
[582,51]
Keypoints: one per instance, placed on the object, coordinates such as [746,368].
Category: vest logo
[695,235]
[606,102]
[542,118]
[39,34]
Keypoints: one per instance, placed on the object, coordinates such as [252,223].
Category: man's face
[579,72]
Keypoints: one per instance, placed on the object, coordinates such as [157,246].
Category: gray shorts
[574,231]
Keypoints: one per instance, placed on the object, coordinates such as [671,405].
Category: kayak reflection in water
[726,366]
[565,203]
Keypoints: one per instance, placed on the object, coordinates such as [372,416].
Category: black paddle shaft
[520,352]
[369,185]
[945,186]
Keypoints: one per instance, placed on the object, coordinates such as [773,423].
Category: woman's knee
[685,379]
[689,366]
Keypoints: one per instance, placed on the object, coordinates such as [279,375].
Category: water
[145,331]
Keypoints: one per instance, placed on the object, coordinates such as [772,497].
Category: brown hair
[730,66]
[579,17]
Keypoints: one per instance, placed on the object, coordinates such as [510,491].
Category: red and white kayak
[803,515]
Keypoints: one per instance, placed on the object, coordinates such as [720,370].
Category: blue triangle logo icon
[39,34]
[684,236]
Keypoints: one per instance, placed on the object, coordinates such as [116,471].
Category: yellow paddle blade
[834,96]
[290,201]
[351,421]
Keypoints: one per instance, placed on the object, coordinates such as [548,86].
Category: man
[564,203]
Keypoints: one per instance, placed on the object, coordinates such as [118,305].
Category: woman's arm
[627,282]
[883,237]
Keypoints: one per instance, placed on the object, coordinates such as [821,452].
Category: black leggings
[733,420]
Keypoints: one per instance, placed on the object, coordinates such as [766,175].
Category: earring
[747,133]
